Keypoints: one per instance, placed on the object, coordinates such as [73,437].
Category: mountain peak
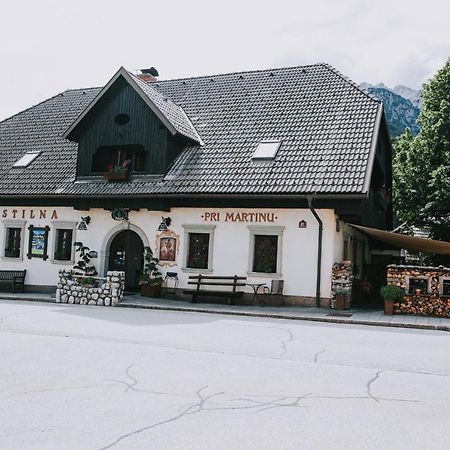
[401,105]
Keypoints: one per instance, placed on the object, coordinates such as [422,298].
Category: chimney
[148,75]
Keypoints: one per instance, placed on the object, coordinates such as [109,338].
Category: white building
[259,172]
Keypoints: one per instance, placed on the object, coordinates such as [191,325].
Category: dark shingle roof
[173,113]
[326,124]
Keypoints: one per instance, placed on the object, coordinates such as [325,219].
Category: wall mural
[167,248]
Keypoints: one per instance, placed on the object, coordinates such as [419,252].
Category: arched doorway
[126,253]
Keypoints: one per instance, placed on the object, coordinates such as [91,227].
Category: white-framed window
[13,237]
[63,250]
[444,286]
[27,158]
[198,248]
[265,252]
[420,283]
[267,149]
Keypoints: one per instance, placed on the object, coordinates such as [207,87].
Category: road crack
[286,342]
[194,408]
[369,386]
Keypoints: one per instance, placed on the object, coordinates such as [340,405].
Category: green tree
[422,165]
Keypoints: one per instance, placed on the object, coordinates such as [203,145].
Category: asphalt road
[74,377]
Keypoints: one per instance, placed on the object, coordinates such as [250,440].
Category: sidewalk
[351,316]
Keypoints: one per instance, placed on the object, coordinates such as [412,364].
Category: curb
[288,317]
[28,299]
[251,314]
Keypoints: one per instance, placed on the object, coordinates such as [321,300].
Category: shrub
[391,293]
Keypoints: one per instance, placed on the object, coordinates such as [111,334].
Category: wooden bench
[206,280]
[16,277]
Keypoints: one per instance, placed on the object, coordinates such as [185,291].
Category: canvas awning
[410,243]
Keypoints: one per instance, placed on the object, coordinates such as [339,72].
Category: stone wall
[106,291]
[430,303]
[342,278]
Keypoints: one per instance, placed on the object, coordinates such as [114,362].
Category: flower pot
[388,307]
[152,291]
[340,302]
[116,176]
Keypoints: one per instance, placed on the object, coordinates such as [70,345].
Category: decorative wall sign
[167,248]
[258,217]
[302,224]
[38,241]
[165,224]
[120,214]
[85,221]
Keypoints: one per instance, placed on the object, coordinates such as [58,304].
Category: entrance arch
[127,238]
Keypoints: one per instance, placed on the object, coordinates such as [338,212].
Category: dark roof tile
[325,122]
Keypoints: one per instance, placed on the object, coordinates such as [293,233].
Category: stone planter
[148,290]
[107,291]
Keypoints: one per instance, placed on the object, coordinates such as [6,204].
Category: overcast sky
[49,46]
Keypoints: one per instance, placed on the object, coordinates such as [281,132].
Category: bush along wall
[424,289]
[83,290]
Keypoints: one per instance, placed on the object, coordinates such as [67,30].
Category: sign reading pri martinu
[264,217]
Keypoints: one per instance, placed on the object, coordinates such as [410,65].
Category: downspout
[319,250]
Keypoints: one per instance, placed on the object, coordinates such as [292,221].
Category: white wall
[231,242]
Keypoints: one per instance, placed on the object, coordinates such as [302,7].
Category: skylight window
[266,149]
[27,159]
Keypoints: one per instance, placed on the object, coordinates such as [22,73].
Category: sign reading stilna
[29,214]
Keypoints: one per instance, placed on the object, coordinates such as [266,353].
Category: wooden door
[126,254]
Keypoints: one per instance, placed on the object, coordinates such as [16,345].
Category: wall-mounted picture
[167,249]
[167,244]
[38,240]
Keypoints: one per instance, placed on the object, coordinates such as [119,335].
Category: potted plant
[86,271]
[151,279]
[117,172]
[341,296]
[390,294]
[87,281]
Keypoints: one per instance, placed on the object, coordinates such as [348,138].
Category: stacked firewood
[423,305]
[342,281]
[429,303]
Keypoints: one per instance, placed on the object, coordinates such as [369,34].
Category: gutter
[319,250]
[62,195]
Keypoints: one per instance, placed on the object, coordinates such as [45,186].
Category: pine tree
[422,165]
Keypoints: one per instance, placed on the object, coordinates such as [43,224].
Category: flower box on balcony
[117,176]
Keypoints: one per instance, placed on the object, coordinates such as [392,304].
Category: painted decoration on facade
[38,240]
[29,214]
[167,248]
[252,217]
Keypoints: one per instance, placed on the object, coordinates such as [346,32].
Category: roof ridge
[234,73]
[37,104]
[349,81]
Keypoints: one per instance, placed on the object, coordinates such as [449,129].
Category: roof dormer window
[266,149]
[27,159]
